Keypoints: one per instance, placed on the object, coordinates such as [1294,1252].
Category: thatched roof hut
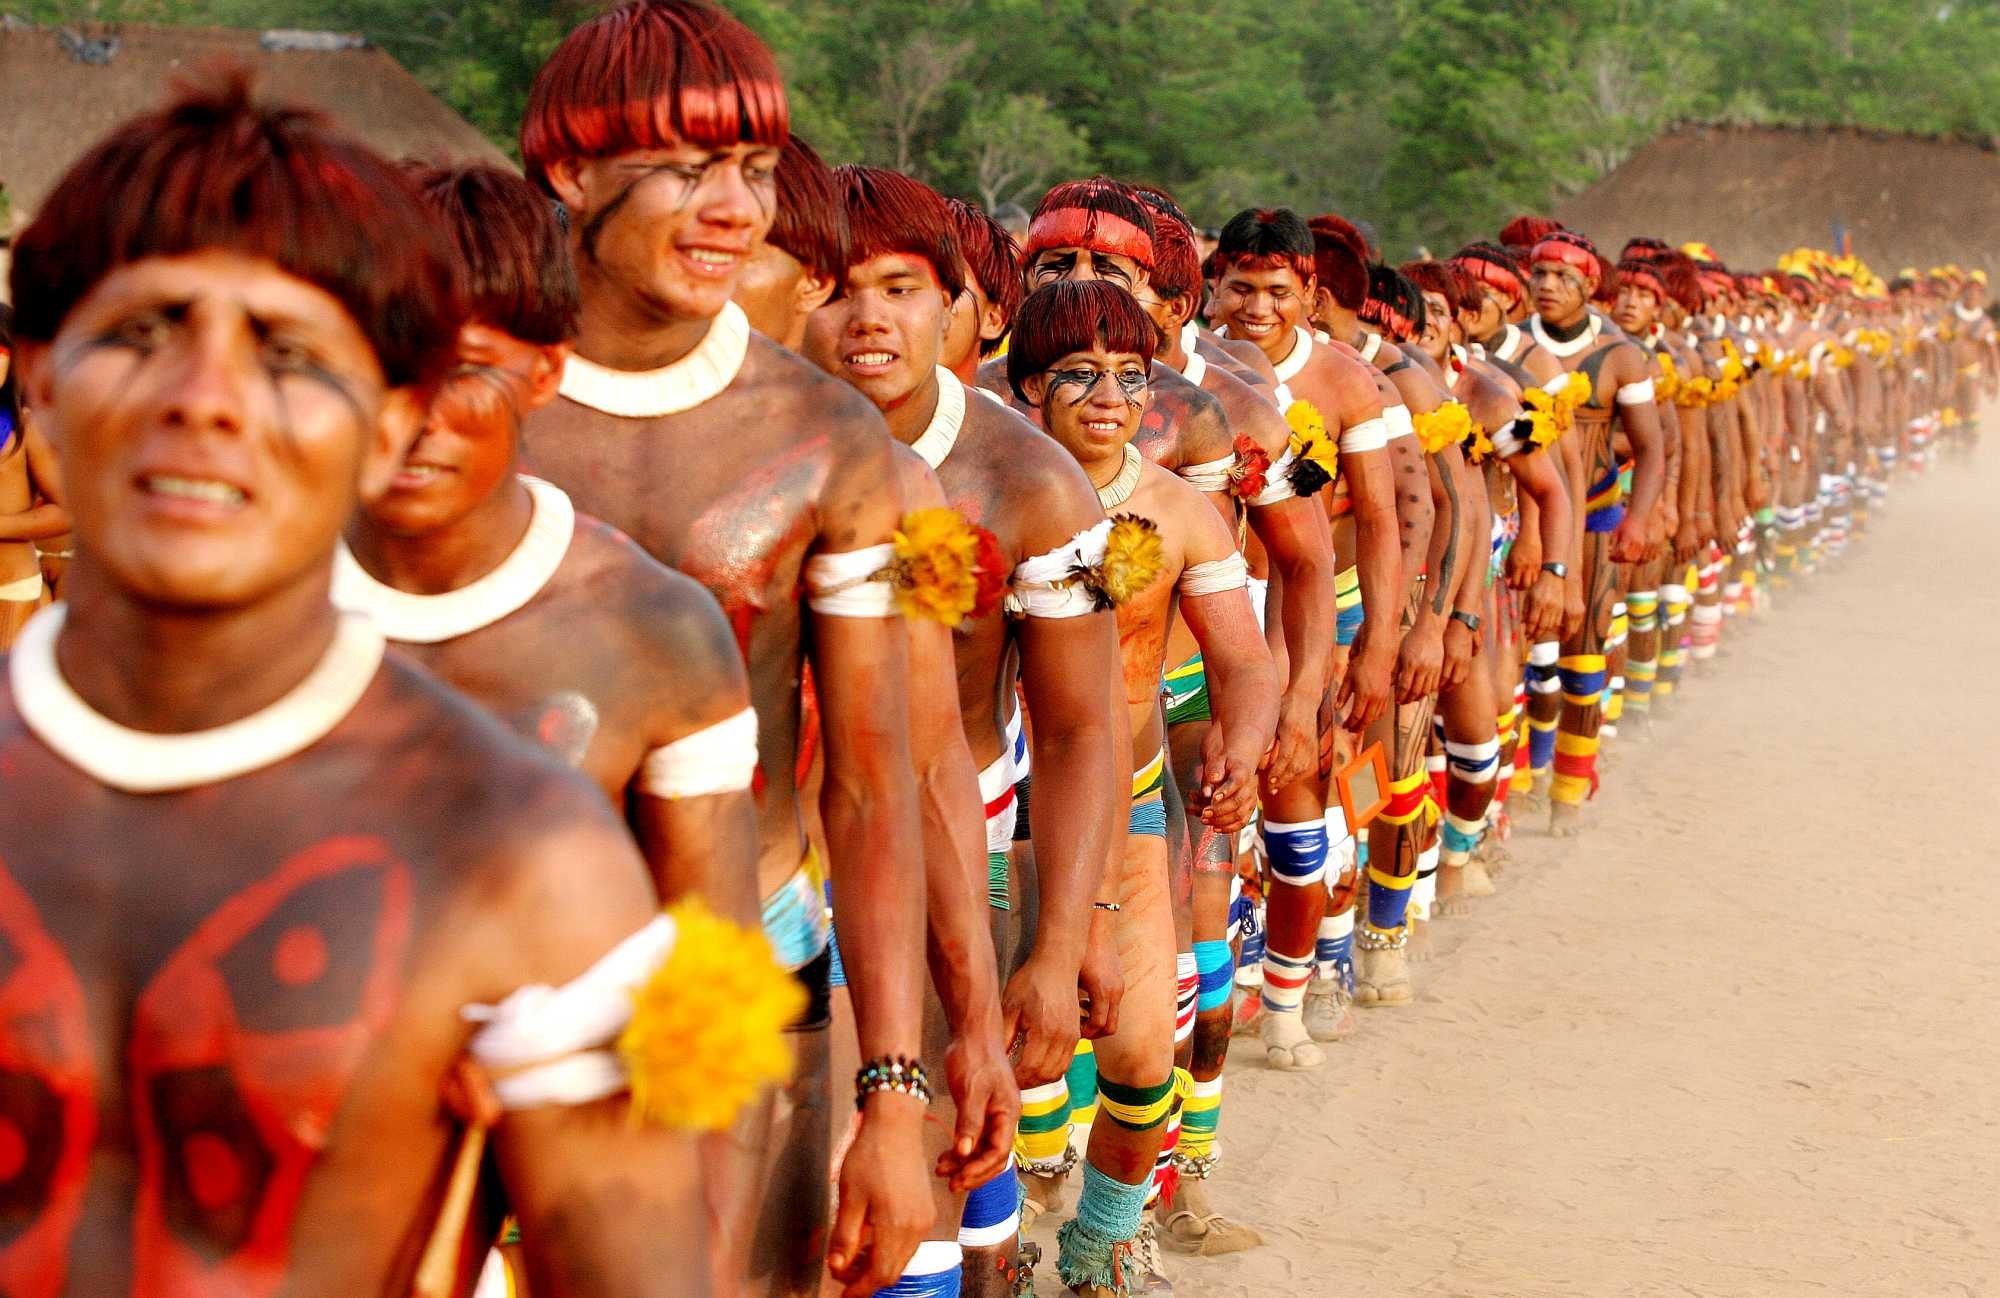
[1757,191]
[63,87]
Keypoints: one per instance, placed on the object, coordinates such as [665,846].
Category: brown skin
[779,293]
[31,510]
[186,616]
[1094,426]
[782,465]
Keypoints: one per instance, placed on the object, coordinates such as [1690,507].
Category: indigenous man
[659,126]
[1564,274]
[268,873]
[1082,354]
[560,626]
[798,266]
[1098,229]
[883,335]
[991,269]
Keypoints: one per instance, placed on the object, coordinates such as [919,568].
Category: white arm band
[1215,576]
[1211,475]
[721,758]
[551,1045]
[1277,481]
[843,585]
[1368,435]
[1635,394]
[1396,422]
[1506,442]
[1044,587]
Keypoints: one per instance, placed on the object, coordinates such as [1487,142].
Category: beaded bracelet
[896,1073]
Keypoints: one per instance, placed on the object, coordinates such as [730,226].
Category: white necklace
[1302,350]
[139,761]
[697,377]
[1551,343]
[1119,490]
[1966,313]
[941,434]
[432,619]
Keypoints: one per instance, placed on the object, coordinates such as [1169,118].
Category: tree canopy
[1427,120]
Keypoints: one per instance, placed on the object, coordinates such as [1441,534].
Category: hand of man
[988,1103]
[885,1206]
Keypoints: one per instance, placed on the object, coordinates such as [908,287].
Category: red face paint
[243,1048]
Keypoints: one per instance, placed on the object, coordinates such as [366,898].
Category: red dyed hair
[1569,249]
[213,169]
[1176,258]
[513,257]
[889,212]
[993,257]
[1073,316]
[1340,259]
[810,224]
[1492,265]
[1101,214]
[1267,238]
[1444,279]
[1524,232]
[651,74]
[1641,273]
[1677,274]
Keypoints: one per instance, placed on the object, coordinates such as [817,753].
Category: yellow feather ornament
[1449,424]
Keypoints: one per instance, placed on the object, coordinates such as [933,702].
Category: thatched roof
[62,88]
[1757,191]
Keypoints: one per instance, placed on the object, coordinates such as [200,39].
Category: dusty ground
[1738,1041]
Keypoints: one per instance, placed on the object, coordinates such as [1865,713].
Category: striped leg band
[1187,989]
[1296,852]
[992,1212]
[935,1271]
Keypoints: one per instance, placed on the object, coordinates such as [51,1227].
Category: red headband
[1644,277]
[1562,251]
[1492,274]
[1083,227]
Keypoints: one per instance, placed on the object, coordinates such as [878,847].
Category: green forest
[1431,120]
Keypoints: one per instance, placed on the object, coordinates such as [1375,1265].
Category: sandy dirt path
[1742,1039]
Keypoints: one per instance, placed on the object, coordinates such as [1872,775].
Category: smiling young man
[659,126]
[1381,514]
[270,873]
[1563,276]
[883,335]
[1082,356]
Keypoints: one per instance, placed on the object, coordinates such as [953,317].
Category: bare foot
[1286,1045]
[1478,880]
[1329,1012]
[1565,820]
[1192,1225]
[1420,949]
[1382,977]
[1536,799]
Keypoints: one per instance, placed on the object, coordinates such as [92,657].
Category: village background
[1755,125]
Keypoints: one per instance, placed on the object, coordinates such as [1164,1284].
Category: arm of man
[47,517]
[689,803]
[1670,490]
[1075,690]
[1371,488]
[1750,442]
[605,1207]
[959,944]
[1461,645]
[869,809]
[1630,371]
[1243,684]
[1420,660]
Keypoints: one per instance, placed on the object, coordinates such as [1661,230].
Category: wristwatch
[1471,620]
[1559,569]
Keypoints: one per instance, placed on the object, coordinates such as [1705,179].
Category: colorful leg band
[1081,1083]
[1296,853]
[1409,800]
[1199,1119]
[1473,763]
[1135,1108]
[1166,1174]
[1250,962]
[1621,627]
[1461,838]
[992,1212]
[1285,979]
[1583,679]
[1107,1215]
[1041,1141]
[1614,700]
[1187,988]
[1576,769]
[1541,669]
[1643,608]
[1423,897]
[1211,962]
[1541,744]
[1333,950]
[996,881]
[1437,770]
[934,1271]
[1388,899]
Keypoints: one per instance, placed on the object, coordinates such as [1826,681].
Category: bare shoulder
[1491,401]
[1250,355]
[1250,412]
[992,377]
[786,386]
[1200,425]
[914,479]
[665,630]
[1034,470]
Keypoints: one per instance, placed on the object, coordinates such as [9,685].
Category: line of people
[1017,667]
